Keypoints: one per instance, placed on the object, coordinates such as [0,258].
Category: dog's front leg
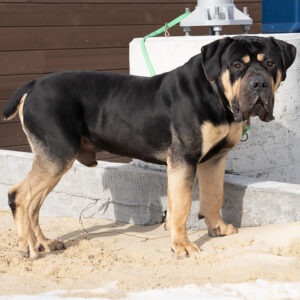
[211,190]
[181,177]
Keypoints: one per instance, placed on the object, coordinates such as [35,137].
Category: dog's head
[248,70]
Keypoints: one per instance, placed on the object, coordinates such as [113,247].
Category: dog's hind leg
[26,199]
[42,243]
[52,158]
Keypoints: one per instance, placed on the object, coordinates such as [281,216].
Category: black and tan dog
[188,119]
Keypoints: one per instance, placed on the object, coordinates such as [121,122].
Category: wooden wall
[43,36]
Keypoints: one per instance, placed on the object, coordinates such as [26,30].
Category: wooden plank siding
[38,37]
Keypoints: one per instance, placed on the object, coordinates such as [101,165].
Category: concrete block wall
[131,194]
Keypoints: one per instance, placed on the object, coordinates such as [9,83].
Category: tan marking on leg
[180,189]
[21,218]
[231,91]
[260,56]
[211,135]
[211,190]
[246,59]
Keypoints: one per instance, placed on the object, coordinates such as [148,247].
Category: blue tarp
[280,16]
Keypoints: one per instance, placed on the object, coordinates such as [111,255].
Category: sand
[139,258]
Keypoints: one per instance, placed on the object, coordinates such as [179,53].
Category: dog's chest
[212,135]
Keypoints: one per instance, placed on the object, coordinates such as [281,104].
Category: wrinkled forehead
[255,49]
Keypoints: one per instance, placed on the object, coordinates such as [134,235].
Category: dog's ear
[211,57]
[288,54]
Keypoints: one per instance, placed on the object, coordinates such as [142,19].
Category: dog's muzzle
[263,106]
[257,99]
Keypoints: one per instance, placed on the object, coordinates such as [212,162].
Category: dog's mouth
[258,109]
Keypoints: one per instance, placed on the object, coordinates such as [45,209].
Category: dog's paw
[50,245]
[31,254]
[185,249]
[222,230]
[28,250]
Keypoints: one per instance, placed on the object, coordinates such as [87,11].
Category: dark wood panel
[23,148]
[107,156]
[11,134]
[9,83]
[62,14]
[47,61]
[89,37]
[119,159]
[254,10]
[86,14]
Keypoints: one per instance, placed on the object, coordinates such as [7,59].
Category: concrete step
[132,194]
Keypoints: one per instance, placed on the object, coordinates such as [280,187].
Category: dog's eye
[237,65]
[270,63]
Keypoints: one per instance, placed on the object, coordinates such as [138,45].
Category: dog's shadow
[108,230]
[115,229]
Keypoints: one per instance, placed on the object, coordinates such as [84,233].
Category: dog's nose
[259,83]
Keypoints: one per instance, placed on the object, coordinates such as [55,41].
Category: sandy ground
[139,258]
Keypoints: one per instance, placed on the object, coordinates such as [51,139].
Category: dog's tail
[10,109]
